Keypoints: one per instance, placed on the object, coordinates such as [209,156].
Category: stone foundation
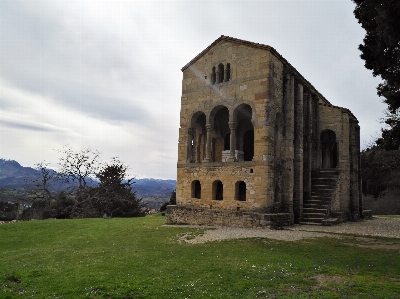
[214,217]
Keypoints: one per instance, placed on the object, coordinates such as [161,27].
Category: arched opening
[220,128]
[221,72]
[197,138]
[248,145]
[240,188]
[245,132]
[196,189]
[218,190]
[213,76]
[227,142]
[329,149]
[228,72]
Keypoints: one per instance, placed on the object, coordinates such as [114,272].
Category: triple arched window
[218,190]
[220,73]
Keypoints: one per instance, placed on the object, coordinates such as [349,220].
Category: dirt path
[377,227]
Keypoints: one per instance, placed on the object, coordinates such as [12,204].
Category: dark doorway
[218,190]
[196,189]
[241,191]
[329,149]
[248,145]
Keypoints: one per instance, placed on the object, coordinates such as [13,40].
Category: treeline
[380,171]
[92,189]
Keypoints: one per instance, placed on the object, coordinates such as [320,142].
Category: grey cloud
[29,126]
[45,58]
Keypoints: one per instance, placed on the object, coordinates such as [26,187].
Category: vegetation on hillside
[93,189]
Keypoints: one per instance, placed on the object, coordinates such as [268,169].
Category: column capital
[208,127]
[232,125]
[191,131]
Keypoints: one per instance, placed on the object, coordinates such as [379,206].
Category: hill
[21,179]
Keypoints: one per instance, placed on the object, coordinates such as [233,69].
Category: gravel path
[381,227]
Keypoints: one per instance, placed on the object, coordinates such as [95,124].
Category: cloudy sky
[106,74]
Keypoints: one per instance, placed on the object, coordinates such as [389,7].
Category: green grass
[142,258]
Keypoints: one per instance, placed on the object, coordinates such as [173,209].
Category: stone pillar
[232,145]
[288,138]
[208,144]
[298,153]
[191,146]
[217,77]
[315,138]
[354,171]
[307,125]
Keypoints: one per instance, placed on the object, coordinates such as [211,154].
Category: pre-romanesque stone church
[259,145]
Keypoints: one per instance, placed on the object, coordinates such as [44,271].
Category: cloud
[106,74]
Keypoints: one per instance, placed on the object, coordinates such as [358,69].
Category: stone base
[367,214]
[214,217]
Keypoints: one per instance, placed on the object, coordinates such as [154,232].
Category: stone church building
[259,145]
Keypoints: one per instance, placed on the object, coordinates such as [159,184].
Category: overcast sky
[107,74]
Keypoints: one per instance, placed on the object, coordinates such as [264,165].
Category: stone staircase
[316,209]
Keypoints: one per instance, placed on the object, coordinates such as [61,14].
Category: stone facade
[256,137]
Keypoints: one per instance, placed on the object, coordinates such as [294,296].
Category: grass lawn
[141,258]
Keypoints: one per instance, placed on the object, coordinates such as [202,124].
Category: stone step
[314,210]
[330,221]
[313,220]
[310,223]
[322,187]
[314,215]
[316,202]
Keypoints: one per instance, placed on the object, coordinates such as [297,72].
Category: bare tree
[79,166]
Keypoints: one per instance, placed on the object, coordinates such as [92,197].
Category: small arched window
[213,76]
[196,189]
[221,73]
[240,191]
[228,72]
[218,190]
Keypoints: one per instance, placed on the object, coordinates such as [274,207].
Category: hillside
[20,179]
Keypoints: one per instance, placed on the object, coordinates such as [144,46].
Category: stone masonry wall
[212,217]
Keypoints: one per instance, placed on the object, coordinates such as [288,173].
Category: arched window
[228,72]
[196,189]
[221,72]
[218,190]
[240,188]
[329,149]
[213,76]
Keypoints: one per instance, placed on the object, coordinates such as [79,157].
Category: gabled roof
[234,40]
[259,46]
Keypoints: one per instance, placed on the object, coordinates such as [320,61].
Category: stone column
[191,146]
[288,138]
[298,153]
[232,142]
[217,77]
[307,125]
[208,144]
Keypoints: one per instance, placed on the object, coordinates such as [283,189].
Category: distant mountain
[153,187]
[15,176]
